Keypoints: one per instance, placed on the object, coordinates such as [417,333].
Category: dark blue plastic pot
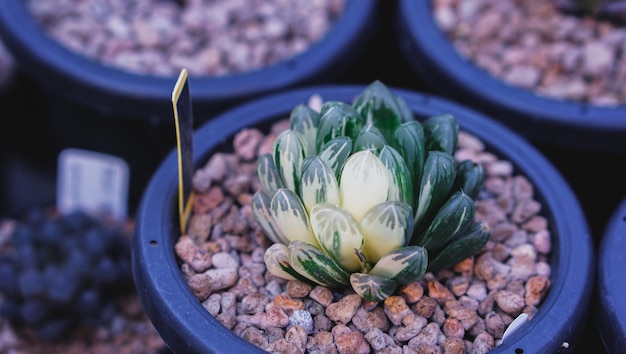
[187,327]
[566,123]
[611,317]
[83,104]
[114,91]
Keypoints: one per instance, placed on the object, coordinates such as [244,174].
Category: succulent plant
[364,195]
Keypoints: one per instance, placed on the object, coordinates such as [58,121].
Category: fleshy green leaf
[318,184]
[386,226]
[379,107]
[338,119]
[289,153]
[304,120]
[336,152]
[452,220]
[403,265]
[311,262]
[260,206]
[277,262]
[462,247]
[364,183]
[400,183]
[338,234]
[371,287]
[268,175]
[369,138]
[405,110]
[437,180]
[441,132]
[291,216]
[470,177]
[408,140]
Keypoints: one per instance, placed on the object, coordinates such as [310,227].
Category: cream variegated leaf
[318,184]
[268,175]
[364,183]
[291,216]
[304,120]
[338,234]
[289,153]
[277,261]
[336,152]
[386,226]
[260,206]
[400,184]
[313,264]
[403,265]
[371,287]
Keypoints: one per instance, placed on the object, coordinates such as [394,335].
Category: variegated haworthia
[361,194]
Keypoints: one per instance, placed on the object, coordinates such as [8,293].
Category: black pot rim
[611,318]
[183,322]
[568,123]
[113,90]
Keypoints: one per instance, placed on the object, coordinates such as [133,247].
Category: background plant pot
[187,327]
[113,91]
[80,103]
[611,316]
[566,123]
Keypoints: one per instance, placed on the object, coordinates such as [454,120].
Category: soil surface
[534,45]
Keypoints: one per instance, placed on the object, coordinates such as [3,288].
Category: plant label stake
[183,117]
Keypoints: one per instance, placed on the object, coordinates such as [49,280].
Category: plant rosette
[568,123]
[209,291]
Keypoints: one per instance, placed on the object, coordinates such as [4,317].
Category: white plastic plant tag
[518,322]
[94,182]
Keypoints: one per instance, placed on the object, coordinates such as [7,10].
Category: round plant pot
[187,327]
[81,103]
[611,317]
[114,91]
[558,122]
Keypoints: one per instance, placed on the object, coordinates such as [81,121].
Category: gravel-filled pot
[85,103]
[185,323]
[111,89]
[571,123]
[611,317]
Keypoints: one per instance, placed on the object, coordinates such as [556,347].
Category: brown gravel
[207,37]
[532,45]
[465,308]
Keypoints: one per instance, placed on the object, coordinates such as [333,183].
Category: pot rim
[116,91]
[611,319]
[180,318]
[575,124]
